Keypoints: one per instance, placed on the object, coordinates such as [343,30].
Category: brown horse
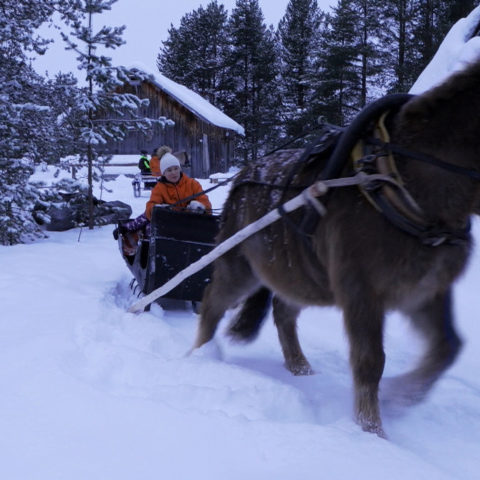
[365,262]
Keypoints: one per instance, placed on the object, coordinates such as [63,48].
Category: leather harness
[392,199]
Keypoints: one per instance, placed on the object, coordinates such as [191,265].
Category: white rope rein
[308,196]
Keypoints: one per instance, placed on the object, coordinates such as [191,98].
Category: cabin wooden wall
[187,135]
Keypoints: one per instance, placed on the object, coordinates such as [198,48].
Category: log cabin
[202,136]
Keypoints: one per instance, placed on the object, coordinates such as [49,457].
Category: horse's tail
[246,324]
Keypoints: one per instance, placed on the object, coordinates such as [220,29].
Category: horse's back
[325,257]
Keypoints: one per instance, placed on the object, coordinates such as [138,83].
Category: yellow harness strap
[384,163]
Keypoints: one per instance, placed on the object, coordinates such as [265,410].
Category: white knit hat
[168,160]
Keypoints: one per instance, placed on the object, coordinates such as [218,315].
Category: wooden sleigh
[177,239]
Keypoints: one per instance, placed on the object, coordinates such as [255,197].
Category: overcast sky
[147,23]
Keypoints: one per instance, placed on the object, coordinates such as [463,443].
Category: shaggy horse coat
[356,259]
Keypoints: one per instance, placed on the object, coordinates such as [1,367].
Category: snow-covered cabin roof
[192,101]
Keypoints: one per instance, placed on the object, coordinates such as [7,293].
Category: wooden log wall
[187,135]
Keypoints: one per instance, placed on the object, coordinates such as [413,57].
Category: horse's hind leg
[231,282]
[434,320]
[285,316]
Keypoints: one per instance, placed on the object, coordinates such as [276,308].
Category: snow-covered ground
[89,391]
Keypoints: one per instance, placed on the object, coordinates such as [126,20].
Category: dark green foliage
[339,78]
[251,69]
[194,53]
[399,47]
[298,34]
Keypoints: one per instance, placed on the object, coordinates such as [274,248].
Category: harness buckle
[373,185]
[366,164]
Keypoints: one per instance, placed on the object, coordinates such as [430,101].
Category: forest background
[278,83]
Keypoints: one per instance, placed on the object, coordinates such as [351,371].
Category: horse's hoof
[380,432]
[375,428]
[301,370]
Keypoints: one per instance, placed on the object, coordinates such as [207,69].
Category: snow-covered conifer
[100,112]
[194,53]
[24,127]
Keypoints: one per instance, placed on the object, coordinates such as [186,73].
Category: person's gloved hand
[195,206]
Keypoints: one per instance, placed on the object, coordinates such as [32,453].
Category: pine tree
[298,33]
[62,93]
[252,66]
[367,41]
[194,53]
[174,60]
[99,113]
[353,64]
[24,129]
[337,95]
[399,51]
[424,33]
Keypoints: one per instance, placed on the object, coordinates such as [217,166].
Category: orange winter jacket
[166,192]
[155,166]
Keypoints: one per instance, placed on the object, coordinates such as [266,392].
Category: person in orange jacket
[157,155]
[175,185]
